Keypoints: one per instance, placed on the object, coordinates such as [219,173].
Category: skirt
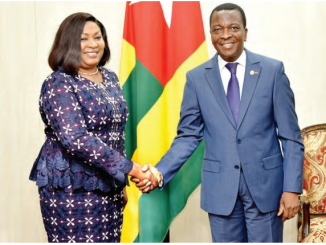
[81,216]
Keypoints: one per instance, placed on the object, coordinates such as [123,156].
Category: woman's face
[92,46]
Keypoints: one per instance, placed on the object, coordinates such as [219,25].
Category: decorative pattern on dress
[84,127]
[81,168]
[77,216]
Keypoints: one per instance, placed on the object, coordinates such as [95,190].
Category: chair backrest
[314,167]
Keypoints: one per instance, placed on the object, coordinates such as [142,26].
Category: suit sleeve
[189,134]
[288,132]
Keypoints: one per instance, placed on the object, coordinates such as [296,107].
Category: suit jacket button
[239,141]
[236,166]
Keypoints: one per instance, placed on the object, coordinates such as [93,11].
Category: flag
[161,42]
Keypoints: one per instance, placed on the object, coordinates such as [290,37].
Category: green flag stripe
[137,239]
[141,91]
[157,210]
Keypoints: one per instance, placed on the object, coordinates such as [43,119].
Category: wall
[289,31]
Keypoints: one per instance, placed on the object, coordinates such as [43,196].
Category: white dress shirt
[226,74]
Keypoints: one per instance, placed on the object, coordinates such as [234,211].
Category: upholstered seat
[317,231]
[312,215]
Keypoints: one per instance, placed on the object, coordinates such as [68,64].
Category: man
[243,105]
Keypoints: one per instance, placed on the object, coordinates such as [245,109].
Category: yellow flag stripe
[130,226]
[128,61]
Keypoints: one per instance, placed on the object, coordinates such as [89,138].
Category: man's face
[228,34]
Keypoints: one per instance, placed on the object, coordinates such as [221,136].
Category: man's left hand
[289,205]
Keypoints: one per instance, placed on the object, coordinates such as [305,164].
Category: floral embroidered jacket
[84,127]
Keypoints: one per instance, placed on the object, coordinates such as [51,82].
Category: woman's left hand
[125,197]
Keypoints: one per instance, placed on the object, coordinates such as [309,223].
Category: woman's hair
[66,49]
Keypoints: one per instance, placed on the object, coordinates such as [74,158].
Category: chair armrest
[305,203]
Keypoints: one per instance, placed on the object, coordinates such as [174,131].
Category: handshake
[146,178]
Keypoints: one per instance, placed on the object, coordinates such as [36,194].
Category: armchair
[312,214]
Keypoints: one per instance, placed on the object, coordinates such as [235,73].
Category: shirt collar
[241,61]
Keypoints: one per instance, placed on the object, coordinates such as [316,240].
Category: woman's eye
[98,38]
[84,39]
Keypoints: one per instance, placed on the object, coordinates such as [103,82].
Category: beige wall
[289,31]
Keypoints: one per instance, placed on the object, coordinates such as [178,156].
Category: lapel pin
[252,72]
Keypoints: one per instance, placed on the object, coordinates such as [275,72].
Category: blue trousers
[246,223]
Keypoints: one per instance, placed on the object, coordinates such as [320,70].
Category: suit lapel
[252,73]
[213,77]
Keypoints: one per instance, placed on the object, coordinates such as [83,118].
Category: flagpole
[167,237]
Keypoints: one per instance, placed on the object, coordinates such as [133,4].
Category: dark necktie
[233,93]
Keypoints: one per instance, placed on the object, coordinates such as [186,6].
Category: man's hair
[229,6]
[66,49]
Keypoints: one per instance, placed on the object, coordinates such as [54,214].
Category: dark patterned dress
[82,168]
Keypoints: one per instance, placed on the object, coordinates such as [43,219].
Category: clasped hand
[146,178]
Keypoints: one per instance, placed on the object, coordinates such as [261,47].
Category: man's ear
[245,35]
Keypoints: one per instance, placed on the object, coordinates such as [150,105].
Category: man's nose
[226,33]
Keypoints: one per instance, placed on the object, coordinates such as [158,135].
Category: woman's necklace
[88,74]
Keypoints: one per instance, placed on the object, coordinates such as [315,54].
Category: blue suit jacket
[266,116]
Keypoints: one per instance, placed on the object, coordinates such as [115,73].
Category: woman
[82,169]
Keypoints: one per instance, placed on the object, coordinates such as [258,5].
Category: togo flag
[161,42]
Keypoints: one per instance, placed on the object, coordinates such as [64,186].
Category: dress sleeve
[58,104]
